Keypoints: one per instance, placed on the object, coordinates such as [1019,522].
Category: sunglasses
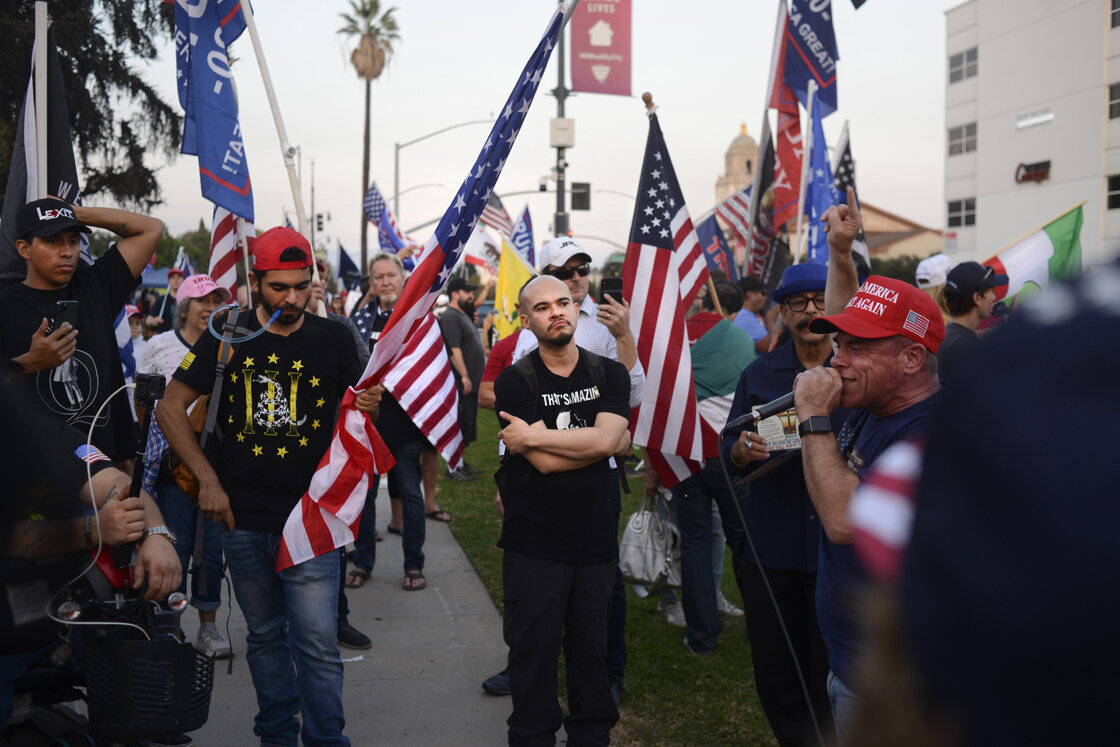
[566,273]
[802,303]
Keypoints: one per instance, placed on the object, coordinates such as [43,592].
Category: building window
[1115,13]
[1114,99]
[963,65]
[962,139]
[748,167]
[1114,192]
[963,212]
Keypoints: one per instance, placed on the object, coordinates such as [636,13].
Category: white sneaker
[725,607]
[673,614]
[210,642]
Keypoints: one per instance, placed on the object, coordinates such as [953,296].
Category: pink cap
[198,286]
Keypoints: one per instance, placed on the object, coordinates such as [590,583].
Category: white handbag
[649,552]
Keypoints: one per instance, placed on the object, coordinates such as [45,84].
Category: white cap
[560,250]
[933,271]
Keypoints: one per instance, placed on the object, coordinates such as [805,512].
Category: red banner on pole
[601,47]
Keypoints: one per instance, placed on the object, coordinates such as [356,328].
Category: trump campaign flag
[811,52]
[522,237]
[821,194]
[789,148]
[663,272]
[328,513]
[210,128]
[716,252]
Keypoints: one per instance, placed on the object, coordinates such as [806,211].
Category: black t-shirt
[279,403]
[165,307]
[74,390]
[959,339]
[564,516]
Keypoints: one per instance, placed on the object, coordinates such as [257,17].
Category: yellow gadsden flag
[513,272]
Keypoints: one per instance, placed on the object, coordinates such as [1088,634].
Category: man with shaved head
[564,412]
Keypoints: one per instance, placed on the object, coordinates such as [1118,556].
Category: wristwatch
[163,530]
[815,424]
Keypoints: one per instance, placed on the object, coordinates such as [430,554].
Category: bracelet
[731,457]
[86,529]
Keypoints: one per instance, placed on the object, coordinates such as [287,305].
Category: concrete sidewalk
[421,683]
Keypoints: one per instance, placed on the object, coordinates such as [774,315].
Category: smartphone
[611,287]
[65,311]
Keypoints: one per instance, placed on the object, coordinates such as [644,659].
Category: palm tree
[377,32]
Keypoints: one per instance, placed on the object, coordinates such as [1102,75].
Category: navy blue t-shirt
[840,576]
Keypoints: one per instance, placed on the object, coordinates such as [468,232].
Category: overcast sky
[704,61]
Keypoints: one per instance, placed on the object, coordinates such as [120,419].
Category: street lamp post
[397,157]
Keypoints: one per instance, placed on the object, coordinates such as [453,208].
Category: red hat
[175,271]
[884,307]
[272,243]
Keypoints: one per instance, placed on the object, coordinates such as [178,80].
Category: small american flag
[225,251]
[663,271]
[389,234]
[916,323]
[328,513]
[735,211]
[495,216]
[90,454]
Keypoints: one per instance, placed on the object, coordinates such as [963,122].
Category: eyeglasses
[566,273]
[800,303]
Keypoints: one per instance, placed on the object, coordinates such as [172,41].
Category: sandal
[439,515]
[356,578]
[414,581]
[395,530]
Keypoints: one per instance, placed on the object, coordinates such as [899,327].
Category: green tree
[116,117]
[377,33]
[900,268]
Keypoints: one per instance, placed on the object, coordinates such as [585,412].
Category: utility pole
[560,221]
[312,205]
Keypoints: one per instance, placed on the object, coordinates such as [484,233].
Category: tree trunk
[365,178]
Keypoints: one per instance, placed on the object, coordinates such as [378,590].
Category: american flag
[495,216]
[663,271]
[225,251]
[422,383]
[844,176]
[522,237]
[327,515]
[916,323]
[735,211]
[389,234]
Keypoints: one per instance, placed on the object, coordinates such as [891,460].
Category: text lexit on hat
[47,217]
[271,244]
[806,277]
[560,250]
[884,307]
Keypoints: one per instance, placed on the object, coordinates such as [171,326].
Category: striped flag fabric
[522,237]
[882,509]
[1050,254]
[663,272]
[225,252]
[735,211]
[423,384]
[389,234]
[495,216]
[327,514]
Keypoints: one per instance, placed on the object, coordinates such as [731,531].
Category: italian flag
[1050,254]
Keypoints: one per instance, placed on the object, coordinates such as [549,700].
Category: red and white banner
[601,47]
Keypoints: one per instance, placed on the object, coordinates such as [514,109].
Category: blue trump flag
[716,252]
[348,272]
[211,130]
[522,237]
[811,52]
[821,193]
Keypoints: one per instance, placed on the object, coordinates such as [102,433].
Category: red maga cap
[271,244]
[884,307]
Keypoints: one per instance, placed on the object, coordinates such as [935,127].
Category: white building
[1032,120]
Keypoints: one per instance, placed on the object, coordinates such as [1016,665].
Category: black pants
[774,672]
[548,604]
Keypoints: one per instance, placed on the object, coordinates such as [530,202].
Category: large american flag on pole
[328,513]
[225,252]
[663,272]
[735,211]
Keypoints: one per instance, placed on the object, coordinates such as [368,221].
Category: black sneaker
[498,684]
[351,637]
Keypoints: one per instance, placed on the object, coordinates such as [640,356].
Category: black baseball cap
[460,284]
[47,217]
[972,277]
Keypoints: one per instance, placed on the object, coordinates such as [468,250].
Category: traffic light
[319,222]
[581,195]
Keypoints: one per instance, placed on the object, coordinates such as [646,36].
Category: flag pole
[806,157]
[243,242]
[839,152]
[42,23]
[286,149]
[1039,227]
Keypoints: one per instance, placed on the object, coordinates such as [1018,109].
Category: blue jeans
[365,544]
[292,644]
[405,477]
[694,498]
[843,703]
[181,515]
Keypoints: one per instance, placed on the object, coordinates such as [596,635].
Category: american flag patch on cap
[916,323]
[90,454]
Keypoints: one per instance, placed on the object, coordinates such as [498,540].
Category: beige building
[738,165]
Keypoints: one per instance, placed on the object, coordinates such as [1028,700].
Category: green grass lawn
[672,696]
